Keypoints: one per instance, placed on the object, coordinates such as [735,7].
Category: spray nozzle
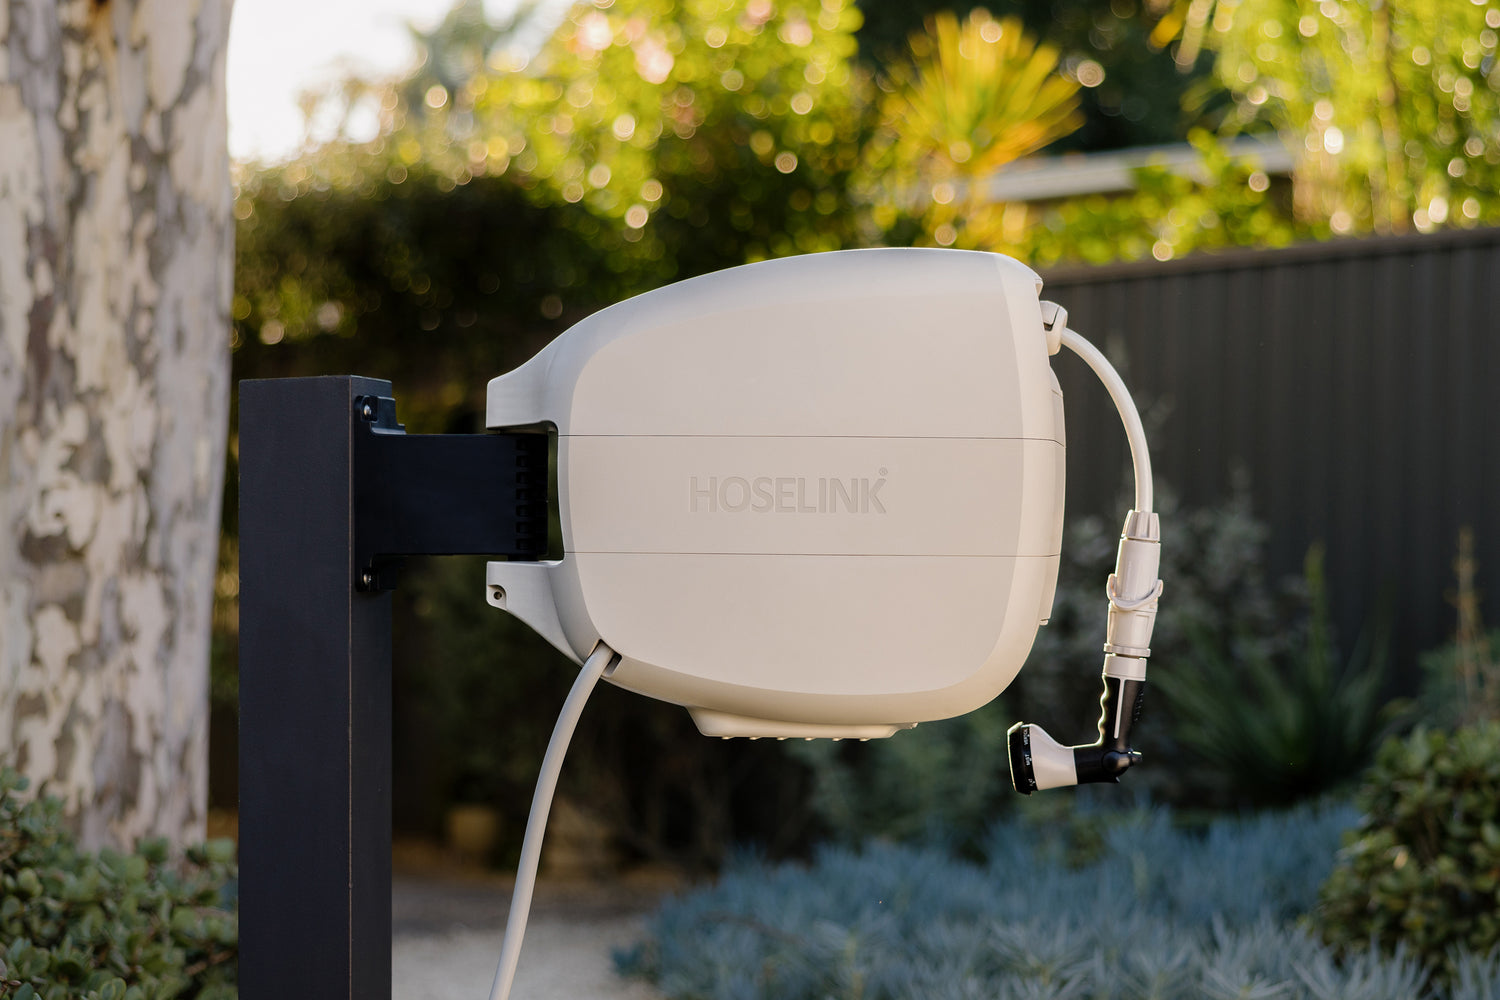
[1038,761]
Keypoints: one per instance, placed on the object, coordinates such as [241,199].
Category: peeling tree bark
[115,281]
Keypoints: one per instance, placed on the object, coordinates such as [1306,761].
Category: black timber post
[315,705]
[331,493]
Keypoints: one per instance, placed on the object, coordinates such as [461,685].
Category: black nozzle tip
[1095,764]
[1022,775]
[1118,762]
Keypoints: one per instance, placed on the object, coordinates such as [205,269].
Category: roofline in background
[1040,178]
[1228,260]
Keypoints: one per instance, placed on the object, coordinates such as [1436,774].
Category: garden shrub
[1160,913]
[1422,871]
[1280,728]
[109,926]
[1461,680]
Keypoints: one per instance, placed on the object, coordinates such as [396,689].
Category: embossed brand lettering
[786,494]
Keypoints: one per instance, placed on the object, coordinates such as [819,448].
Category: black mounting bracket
[442,494]
[333,493]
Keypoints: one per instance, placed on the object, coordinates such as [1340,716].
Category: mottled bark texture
[115,280]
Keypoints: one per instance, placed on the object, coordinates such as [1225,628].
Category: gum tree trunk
[115,279]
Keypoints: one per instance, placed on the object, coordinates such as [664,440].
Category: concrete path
[447,936]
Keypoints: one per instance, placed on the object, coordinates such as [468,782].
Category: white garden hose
[596,666]
[1037,761]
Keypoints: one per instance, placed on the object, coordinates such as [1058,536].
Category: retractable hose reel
[820,497]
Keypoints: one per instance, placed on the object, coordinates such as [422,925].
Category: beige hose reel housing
[810,497]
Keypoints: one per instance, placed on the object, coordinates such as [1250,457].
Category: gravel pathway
[447,940]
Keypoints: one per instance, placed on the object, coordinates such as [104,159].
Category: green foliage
[1392,107]
[111,926]
[1183,915]
[649,141]
[975,97]
[1137,99]
[1422,870]
[1287,727]
[1461,681]
[457,48]
[646,142]
[978,95]
[1231,202]
[710,134]
[361,272]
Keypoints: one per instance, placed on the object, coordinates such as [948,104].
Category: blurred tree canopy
[973,98]
[1131,95]
[1229,202]
[1392,108]
[734,127]
[436,280]
[649,140]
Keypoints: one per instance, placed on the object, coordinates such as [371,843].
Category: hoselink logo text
[786,495]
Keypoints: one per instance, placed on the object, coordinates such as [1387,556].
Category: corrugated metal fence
[1357,383]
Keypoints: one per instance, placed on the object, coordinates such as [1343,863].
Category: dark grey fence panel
[1354,383]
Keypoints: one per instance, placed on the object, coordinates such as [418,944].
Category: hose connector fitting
[1037,761]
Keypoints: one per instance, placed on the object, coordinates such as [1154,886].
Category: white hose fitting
[1133,589]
